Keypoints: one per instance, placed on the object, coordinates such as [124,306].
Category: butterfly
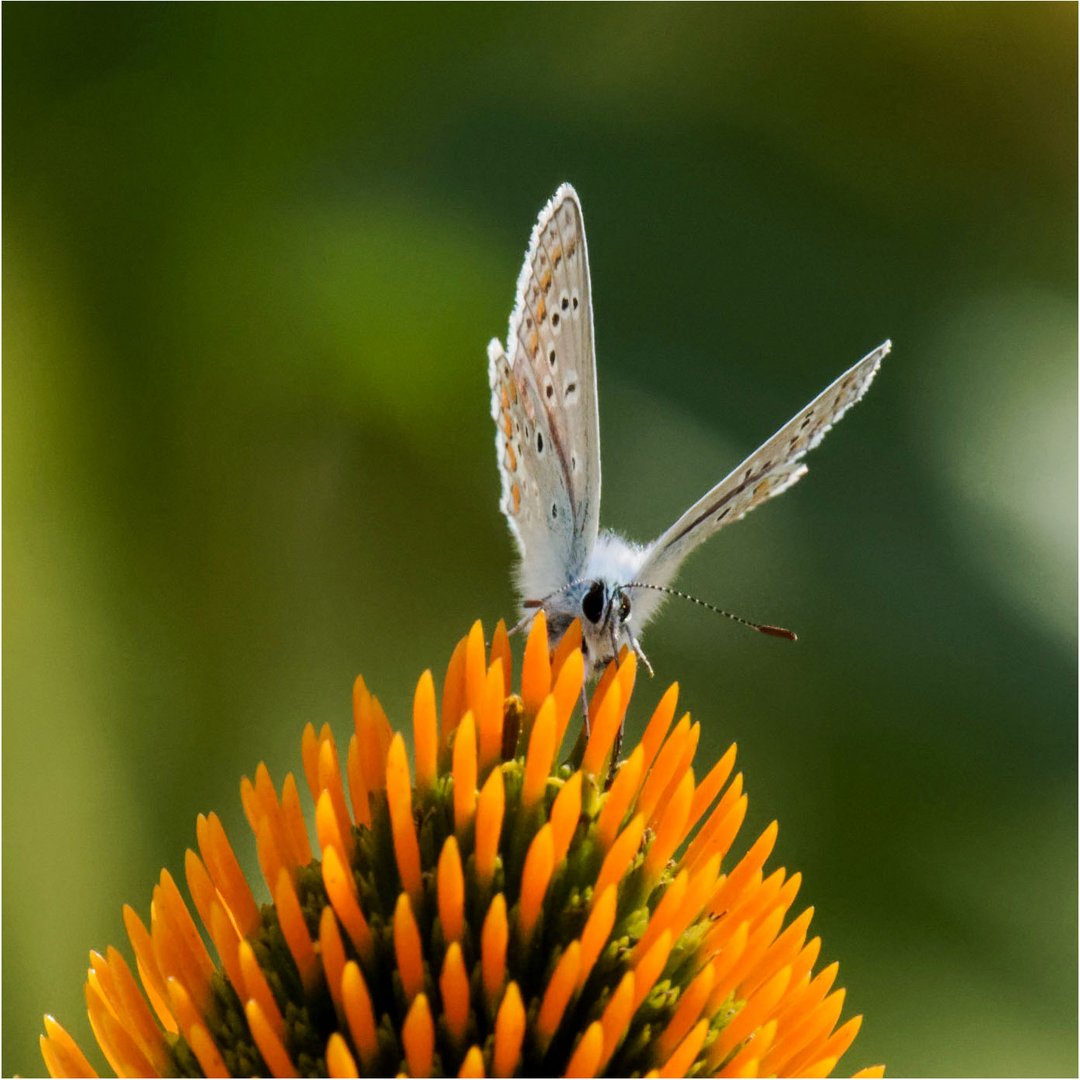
[543,402]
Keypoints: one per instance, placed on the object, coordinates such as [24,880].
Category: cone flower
[497,908]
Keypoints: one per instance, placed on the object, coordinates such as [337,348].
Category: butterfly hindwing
[544,404]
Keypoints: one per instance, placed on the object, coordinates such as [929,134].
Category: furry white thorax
[614,615]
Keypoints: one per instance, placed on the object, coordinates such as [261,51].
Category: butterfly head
[604,609]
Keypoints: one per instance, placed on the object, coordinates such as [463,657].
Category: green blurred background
[251,259]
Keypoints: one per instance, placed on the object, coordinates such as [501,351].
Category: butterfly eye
[592,605]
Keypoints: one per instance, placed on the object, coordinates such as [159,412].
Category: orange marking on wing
[515,494]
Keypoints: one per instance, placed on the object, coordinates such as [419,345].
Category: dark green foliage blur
[251,259]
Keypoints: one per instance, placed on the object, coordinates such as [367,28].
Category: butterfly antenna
[558,592]
[761,628]
[534,605]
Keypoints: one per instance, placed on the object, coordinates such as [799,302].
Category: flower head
[500,910]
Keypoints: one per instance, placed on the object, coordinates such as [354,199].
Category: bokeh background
[251,259]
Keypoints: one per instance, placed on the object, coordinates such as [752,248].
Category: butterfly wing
[768,471]
[543,401]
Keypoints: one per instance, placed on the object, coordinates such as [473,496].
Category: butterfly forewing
[544,404]
[768,471]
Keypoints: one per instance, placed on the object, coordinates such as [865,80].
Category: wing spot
[550,391]
[573,463]
[570,393]
[539,443]
[723,514]
[555,318]
[554,512]
[564,303]
[574,301]
[551,358]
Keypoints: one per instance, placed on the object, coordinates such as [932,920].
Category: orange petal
[535,878]
[453,695]
[309,753]
[747,1062]
[195,1032]
[125,1001]
[658,724]
[464,773]
[560,987]
[149,974]
[340,888]
[407,948]
[454,990]
[425,732]
[617,801]
[339,1059]
[63,1056]
[748,865]
[473,1064]
[691,1001]
[567,689]
[598,927]
[672,828]
[569,644]
[585,1060]
[605,722]
[418,1037]
[565,813]
[679,1063]
[757,1011]
[295,931]
[648,969]
[710,787]
[536,666]
[330,781]
[493,940]
[540,755]
[617,861]
[359,1014]
[719,839]
[707,840]
[267,1040]
[358,795]
[664,768]
[224,869]
[293,815]
[332,954]
[489,822]
[682,765]
[399,799]
[256,988]
[509,1032]
[615,1018]
[490,719]
[476,670]
[500,650]
[120,1048]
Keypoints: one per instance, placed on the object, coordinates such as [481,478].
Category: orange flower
[507,911]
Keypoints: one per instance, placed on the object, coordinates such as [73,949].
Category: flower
[503,910]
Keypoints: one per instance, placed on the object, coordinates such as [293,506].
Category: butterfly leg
[585,708]
[635,645]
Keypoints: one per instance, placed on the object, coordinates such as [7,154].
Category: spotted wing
[543,401]
[768,471]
